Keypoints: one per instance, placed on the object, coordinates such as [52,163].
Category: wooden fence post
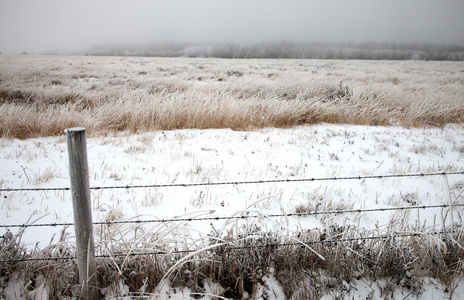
[80,189]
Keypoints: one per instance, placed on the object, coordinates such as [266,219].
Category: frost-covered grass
[378,267]
[43,95]
[173,121]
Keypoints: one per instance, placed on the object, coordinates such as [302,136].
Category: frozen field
[206,132]
[222,155]
[43,95]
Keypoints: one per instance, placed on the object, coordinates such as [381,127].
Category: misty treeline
[292,50]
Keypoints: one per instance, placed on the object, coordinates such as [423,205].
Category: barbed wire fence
[240,217]
[235,217]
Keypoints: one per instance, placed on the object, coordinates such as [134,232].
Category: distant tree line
[292,50]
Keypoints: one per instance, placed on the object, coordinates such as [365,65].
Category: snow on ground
[222,155]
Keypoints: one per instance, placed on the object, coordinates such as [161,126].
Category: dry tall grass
[43,95]
[329,265]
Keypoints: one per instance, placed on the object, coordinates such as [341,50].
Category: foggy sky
[74,25]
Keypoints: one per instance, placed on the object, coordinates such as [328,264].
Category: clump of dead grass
[308,264]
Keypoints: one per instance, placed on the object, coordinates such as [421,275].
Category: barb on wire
[35,225]
[314,213]
[241,182]
[231,247]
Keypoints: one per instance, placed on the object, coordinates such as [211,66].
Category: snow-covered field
[201,156]
[222,155]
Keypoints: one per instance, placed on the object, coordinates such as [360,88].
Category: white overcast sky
[67,25]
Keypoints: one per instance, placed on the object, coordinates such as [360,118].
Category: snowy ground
[221,155]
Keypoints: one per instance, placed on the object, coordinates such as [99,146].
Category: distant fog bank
[287,50]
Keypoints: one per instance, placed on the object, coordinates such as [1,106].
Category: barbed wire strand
[288,180]
[300,243]
[262,216]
